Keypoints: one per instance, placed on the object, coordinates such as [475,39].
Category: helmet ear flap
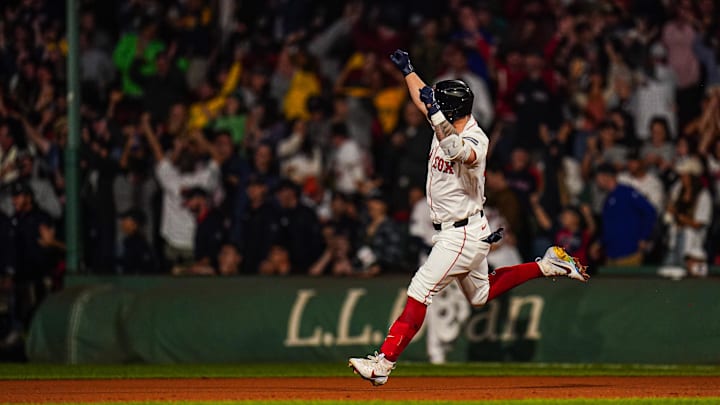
[449,115]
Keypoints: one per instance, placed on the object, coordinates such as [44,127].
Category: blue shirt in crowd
[628,218]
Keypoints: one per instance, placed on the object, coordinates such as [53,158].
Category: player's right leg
[376,368]
[453,253]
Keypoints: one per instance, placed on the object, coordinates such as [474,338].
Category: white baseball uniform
[455,193]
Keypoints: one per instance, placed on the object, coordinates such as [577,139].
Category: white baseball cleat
[557,262]
[375,368]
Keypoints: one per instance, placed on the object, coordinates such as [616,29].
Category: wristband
[407,69]
[436,117]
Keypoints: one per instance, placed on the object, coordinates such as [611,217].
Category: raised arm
[424,99]
[125,157]
[401,59]
[542,217]
[206,146]
[35,133]
[115,97]
[151,138]
[414,84]
[587,214]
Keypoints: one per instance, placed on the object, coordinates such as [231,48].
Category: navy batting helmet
[455,98]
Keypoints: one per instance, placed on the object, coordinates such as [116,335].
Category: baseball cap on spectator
[534,52]
[14,128]
[315,104]
[24,154]
[582,28]
[255,180]
[341,196]
[634,154]
[260,69]
[134,214]
[606,168]
[392,15]
[657,50]
[607,124]
[691,166]
[20,187]
[194,192]
[339,129]
[375,194]
[483,5]
[287,184]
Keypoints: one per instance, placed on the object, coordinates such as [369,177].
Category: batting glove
[401,59]
[495,236]
[427,96]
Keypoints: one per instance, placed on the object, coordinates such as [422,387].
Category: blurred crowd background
[275,137]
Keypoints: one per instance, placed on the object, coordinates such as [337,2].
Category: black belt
[458,224]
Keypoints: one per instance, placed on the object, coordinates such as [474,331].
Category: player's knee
[419,295]
[420,289]
[478,298]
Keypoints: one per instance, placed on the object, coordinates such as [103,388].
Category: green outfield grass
[55,371]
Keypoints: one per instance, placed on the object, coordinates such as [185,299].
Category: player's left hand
[427,96]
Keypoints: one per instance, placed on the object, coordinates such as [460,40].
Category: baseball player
[455,193]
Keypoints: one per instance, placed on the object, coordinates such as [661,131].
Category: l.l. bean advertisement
[208,320]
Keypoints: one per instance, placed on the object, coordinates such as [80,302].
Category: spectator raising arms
[177,171]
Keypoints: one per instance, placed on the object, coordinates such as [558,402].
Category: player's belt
[460,223]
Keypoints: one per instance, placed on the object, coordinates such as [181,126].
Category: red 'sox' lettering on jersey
[442,166]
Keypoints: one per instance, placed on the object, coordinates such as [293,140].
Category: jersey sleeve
[478,142]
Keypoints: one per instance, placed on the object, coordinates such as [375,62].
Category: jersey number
[442,165]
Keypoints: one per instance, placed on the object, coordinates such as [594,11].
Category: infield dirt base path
[353,388]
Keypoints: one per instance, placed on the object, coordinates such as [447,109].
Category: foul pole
[72,190]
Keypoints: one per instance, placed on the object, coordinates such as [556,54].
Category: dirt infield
[413,388]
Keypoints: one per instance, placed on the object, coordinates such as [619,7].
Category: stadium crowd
[275,137]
